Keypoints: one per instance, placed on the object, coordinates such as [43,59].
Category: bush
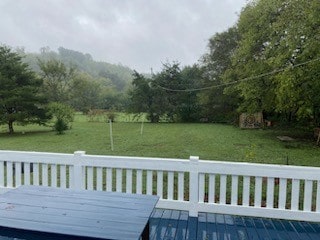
[60,126]
[63,115]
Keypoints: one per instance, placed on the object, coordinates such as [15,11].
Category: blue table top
[93,214]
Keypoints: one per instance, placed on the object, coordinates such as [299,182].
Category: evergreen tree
[20,99]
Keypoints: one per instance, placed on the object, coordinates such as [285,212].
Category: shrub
[63,115]
[60,126]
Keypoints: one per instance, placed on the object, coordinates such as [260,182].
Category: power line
[238,81]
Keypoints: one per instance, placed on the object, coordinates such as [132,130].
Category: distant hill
[119,75]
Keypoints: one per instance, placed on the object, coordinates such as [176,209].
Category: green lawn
[208,141]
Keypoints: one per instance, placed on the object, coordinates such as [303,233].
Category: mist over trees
[74,78]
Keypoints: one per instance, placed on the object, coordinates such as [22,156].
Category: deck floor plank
[301,231]
[251,230]
[309,229]
[269,226]
[221,227]
[202,226]
[316,227]
[281,231]
[241,228]
[191,232]
[291,231]
[231,228]
[211,227]
[155,221]
[177,225]
[162,226]
[172,226]
[262,232]
[182,226]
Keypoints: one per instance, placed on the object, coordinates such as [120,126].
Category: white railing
[276,191]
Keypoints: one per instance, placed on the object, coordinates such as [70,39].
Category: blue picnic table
[76,213]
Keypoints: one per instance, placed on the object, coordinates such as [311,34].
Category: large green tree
[165,83]
[219,104]
[279,43]
[144,98]
[20,98]
[168,94]
[188,105]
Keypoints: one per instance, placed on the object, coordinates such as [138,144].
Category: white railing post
[78,175]
[194,186]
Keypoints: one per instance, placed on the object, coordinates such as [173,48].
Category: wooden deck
[177,225]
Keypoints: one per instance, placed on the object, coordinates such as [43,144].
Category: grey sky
[141,34]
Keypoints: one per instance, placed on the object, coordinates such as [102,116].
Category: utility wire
[238,81]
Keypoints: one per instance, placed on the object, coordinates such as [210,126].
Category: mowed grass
[208,141]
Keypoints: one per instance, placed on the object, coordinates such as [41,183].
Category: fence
[263,190]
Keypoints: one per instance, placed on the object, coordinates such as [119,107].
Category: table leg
[146,232]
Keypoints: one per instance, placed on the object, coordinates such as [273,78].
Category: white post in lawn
[111,135]
[141,129]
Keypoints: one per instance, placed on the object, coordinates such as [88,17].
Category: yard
[208,141]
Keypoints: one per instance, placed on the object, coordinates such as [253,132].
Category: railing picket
[71,178]
[295,193]
[99,179]
[257,191]
[44,174]
[9,174]
[307,199]
[54,175]
[18,174]
[201,187]
[223,189]
[26,173]
[149,182]
[139,181]
[180,186]
[89,178]
[170,185]
[129,181]
[270,192]
[1,174]
[36,177]
[318,197]
[160,184]
[282,193]
[119,180]
[109,179]
[63,176]
[234,190]
[246,191]
[212,188]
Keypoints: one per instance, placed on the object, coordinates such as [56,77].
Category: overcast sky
[141,34]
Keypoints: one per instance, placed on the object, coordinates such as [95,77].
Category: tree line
[267,62]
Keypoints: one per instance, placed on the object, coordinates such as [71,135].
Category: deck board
[177,225]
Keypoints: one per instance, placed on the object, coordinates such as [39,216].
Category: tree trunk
[10,125]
